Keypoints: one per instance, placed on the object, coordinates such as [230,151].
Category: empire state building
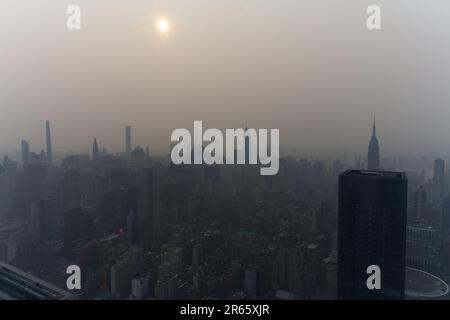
[373,155]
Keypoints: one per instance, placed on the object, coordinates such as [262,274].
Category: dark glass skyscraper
[373,154]
[372,231]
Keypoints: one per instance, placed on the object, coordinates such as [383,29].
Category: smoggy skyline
[309,68]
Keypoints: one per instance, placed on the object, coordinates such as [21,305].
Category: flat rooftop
[369,173]
[19,285]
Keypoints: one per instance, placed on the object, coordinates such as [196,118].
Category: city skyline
[246,152]
[316,64]
[373,152]
[128,147]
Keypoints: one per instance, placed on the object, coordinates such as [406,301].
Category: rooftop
[369,173]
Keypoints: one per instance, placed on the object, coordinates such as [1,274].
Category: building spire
[374,130]
[373,156]
[95,150]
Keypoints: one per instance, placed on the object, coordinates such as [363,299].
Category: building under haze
[438,179]
[49,143]
[373,154]
[128,142]
[372,231]
[25,152]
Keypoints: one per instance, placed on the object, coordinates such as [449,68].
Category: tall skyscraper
[128,142]
[373,155]
[49,143]
[95,151]
[25,152]
[372,231]
[420,204]
[43,219]
[5,194]
[149,207]
[438,179]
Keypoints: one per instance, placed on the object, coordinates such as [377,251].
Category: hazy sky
[309,68]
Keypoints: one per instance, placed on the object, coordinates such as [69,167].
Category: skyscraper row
[44,157]
[27,156]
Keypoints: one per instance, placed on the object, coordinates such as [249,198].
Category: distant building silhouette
[49,144]
[420,204]
[149,207]
[445,225]
[25,153]
[438,179]
[372,231]
[128,142]
[373,155]
[43,220]
[95,151]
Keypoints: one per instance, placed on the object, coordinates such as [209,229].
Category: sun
[163,25]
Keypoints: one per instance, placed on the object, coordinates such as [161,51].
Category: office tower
[49,144]
[252,281]
[34,175]
[373,155]
[128,142]
[5,194]
[438,179]
[149,207]
[121,273]
[138,157]
[445,234]
[371,231]
[9,166]
[445,225]
[95,151]
[128,205]
[77,225]
[155,204]
[422,247]
[43,219]
[25,153]
[140,287]
[420,204]
[132,229]
[71,186]
[105,202]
